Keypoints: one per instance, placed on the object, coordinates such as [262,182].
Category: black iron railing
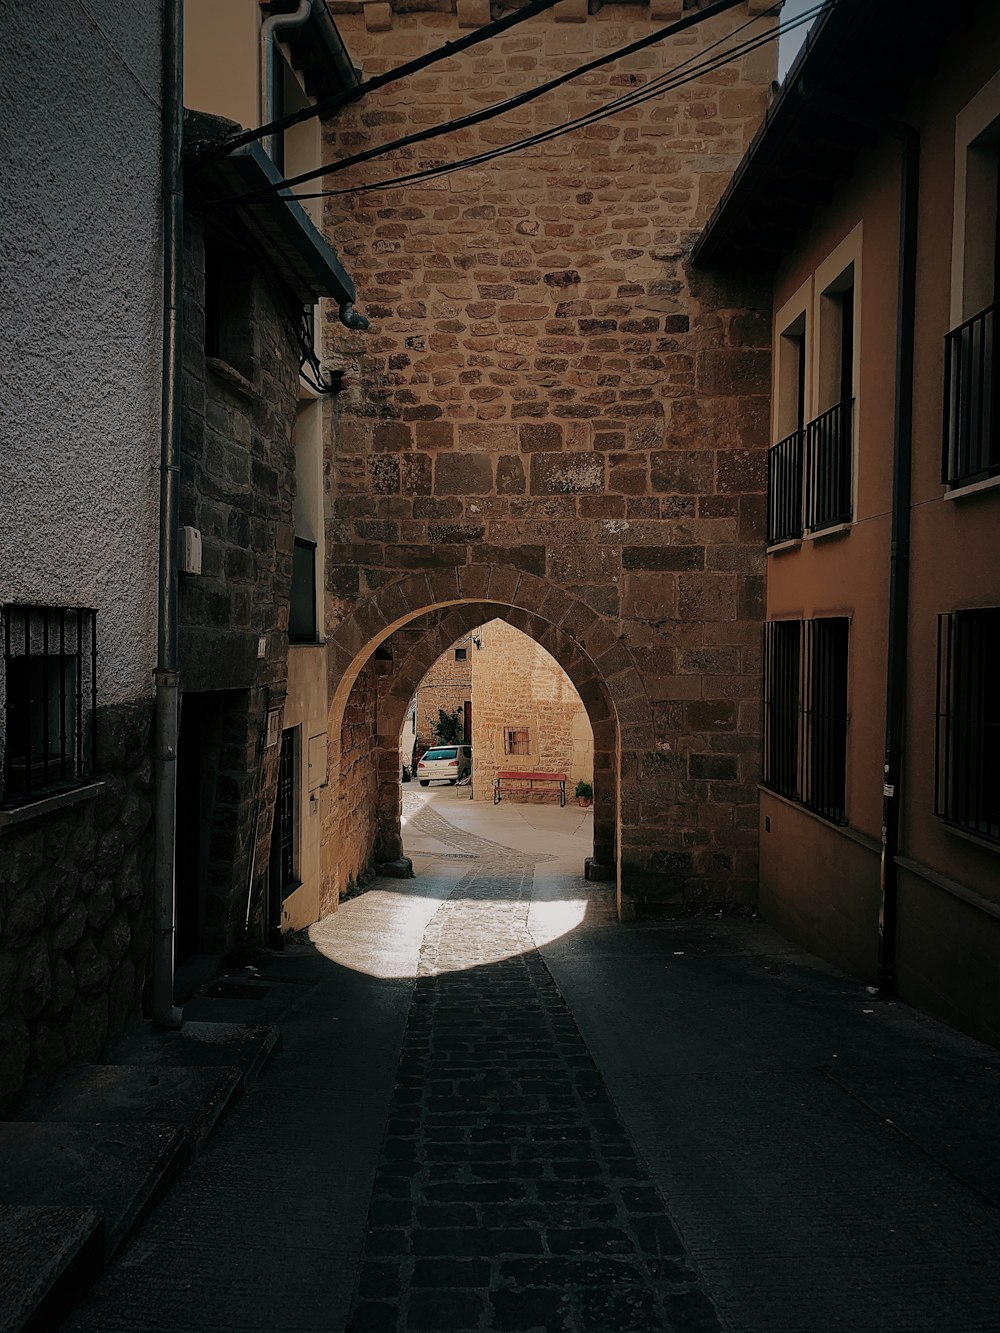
[828,467]
[810,476]
[972,401]
[805,713]
[967,760]
[784,489]
[50,699]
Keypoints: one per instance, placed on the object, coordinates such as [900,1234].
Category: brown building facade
[880,826]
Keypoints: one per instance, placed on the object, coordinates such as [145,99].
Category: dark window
[50,699]
[228,307]
[302,612]
[461,654]
[283,852]
[828,458]
[805,713]
[516,741]
[968,721]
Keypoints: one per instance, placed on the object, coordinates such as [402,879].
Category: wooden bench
[526,775]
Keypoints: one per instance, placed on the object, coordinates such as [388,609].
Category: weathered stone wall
[350,828]
[516,683]
[447,685]
[237,488]
[75,894]
[552,404]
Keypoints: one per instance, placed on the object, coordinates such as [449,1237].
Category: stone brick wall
[447,685]
[237,489]
[75,895]
[553,411]
[351,825]
[516,683]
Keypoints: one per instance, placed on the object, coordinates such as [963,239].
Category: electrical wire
[327,105]
[670,79]
[661,84]
[495,109]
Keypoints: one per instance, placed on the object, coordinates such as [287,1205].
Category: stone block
[463,474]
[665,11]
[378,16]
[559,474]
[570,11]
[470,13]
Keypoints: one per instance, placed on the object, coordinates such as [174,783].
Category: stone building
[80,402]
[527,716]
[555,421]
[880,807]
[447,687]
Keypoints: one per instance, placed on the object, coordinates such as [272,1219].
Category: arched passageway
[378,657]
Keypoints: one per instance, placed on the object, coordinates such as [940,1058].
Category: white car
[445,763]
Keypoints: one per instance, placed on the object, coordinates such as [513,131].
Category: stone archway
[576,636]
[594,695]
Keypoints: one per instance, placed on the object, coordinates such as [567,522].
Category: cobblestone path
[509,1196]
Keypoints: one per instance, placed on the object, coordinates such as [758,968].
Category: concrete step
[48,1256]
[83,1164]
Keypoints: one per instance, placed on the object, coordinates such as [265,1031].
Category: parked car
[444,763]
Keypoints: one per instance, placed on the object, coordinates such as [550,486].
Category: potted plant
[584,793]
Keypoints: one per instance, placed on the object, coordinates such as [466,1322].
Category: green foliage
[447,730]
[585,790]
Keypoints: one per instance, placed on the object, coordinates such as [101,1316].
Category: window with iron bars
[805,713]
[49,700]
[967,760]
[516,741]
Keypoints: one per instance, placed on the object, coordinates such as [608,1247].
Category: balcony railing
[972,401]
[784,489]
[809,476]
[828,468]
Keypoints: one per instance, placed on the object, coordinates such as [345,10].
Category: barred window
[967,767]
[805,713]
[516,741]
[49,699]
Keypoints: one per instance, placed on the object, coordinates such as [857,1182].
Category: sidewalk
[497,1108]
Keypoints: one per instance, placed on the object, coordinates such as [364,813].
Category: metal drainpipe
[268,28]
[899,559]
[164,1012]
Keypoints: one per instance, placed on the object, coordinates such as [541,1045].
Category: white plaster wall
[80,311]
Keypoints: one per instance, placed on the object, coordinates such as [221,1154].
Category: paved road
[497,1109]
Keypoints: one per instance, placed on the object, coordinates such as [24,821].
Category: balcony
[971,402]
[809,476]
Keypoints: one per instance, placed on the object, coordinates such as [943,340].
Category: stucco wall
[80,306]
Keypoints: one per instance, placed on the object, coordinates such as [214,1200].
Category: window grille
[972,401]
[516,741]
[284,817]
[809,476]
[784,489]
[967,760]
[50,699]
[805,713]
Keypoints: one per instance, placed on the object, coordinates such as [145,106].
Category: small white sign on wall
[273,728]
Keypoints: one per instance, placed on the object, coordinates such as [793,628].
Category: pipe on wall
[167,707]
[275,23]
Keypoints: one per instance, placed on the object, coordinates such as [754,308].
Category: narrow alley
[497,1108]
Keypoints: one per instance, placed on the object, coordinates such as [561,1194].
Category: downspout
[271,25]
[163,1010]
[899,557]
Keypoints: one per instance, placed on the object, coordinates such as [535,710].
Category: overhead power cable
[327,105]
[496,108]
[670,79]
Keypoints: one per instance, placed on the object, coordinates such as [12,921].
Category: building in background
[880,825]
[447,688]
[527,716]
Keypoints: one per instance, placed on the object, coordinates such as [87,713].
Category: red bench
[526,775]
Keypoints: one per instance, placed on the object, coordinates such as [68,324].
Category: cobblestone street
[509,1194]
[498,1109]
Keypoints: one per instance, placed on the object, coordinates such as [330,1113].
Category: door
[282,876]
